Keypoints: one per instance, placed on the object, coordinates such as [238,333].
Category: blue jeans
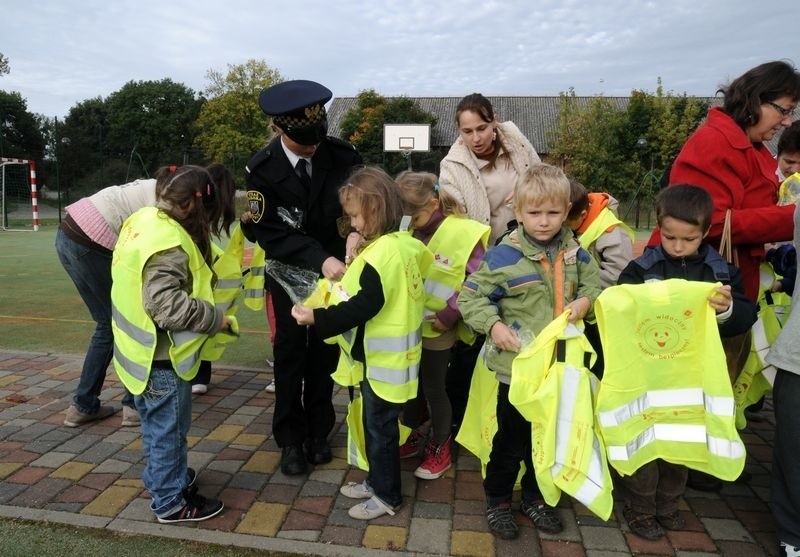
[90,270]
[382,438]
[165,408]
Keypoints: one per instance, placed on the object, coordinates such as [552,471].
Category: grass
[19,538]
[41,311]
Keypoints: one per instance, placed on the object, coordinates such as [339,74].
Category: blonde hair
[379,199]
[540,183]
[418,188]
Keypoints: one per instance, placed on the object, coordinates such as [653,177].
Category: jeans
[382,438]
[510,445]
[90,270]
[165,408]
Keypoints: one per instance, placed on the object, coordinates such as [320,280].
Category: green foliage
[231,125]
[20,136]
[363,127]
[623,151]
[4,66]
[152,121]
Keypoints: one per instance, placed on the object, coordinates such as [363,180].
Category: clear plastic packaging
[299,283]
[524,335]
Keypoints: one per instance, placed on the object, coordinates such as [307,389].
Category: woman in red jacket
[727,157]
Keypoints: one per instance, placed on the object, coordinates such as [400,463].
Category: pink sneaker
[411,447]
[437,460]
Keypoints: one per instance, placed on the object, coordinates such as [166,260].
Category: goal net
[19,207]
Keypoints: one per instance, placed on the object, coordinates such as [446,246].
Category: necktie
[302,172]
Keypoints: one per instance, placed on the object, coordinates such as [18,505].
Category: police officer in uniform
[292,194]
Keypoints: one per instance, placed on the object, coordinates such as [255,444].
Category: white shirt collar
[293,158]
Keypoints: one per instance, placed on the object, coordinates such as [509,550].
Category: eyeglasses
[784,112]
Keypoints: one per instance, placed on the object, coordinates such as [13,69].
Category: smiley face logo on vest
[663,337]
[414,281]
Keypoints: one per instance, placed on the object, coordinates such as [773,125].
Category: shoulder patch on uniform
[256,204]
[260,156]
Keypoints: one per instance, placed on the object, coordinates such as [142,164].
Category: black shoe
[318,451]
[501,521]
[197,508]
[702,481]
[544,516]
[191,489]
[293,462]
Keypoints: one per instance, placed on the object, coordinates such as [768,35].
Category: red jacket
[740,176]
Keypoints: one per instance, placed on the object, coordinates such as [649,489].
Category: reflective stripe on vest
[387,348]
[228,269]
[665,391]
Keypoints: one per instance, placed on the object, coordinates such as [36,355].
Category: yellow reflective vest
[146,232]
[757,376]
[451,246]
[227,267]
[254,280]
[605,220]
[665,391]
[356,439]
[393,337]
[552,388]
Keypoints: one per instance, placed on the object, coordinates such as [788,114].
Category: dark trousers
[785,482]
[510,445]
[301,411]
[382,439]
[655,487]
[459,375]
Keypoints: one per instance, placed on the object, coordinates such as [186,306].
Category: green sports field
[40,310]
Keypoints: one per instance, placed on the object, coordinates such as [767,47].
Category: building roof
[534,116]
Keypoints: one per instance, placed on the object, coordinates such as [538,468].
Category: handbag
[726,248]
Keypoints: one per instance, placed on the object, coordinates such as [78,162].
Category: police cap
[298,108]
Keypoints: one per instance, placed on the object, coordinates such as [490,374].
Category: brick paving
[91,476]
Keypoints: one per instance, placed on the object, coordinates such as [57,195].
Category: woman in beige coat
[482,166]
[480,172]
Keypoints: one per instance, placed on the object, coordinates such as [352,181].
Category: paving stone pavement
[91,476]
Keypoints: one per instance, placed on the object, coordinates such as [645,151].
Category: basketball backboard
[406,138]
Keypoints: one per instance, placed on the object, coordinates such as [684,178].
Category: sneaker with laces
[413,444]
[372,508]
[357,491]
[501,521]
[130,417]
[544,516]
[75,417]
[437,460]
[195,509]
[270,388]
[787,550]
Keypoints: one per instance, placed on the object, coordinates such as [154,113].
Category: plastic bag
[298,283]
[293,216]
[524,335]
[789,191]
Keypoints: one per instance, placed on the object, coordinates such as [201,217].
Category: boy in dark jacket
[684,217]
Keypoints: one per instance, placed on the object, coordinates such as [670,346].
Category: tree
[363,127]
[151,122]
[20,136]
[82,148]
[231,125]
[4,66]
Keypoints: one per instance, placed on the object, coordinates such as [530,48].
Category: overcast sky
[62,52]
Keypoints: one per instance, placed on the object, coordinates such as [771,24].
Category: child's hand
[504,338]
[333,269]
[437,325]
[722,299]
[777,286]
[226,324]
[352,243]
[247,216]
[579,307]
[302,314]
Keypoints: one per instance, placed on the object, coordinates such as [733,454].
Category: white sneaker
[357,491]
[199,389]
[270,388]
[270,363]
[373,508]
